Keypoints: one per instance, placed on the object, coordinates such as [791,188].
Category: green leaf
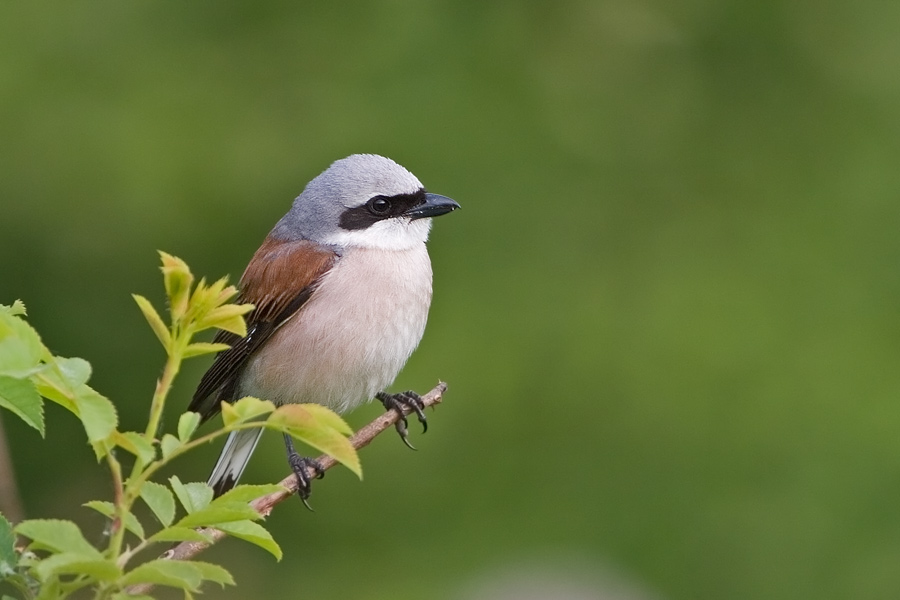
[312,428]
[246,492]
[98,415]
[20,347]
[169,444]
[64,383]
[17,308]
[74,372]
[201,348]
[160,500]
[217,513]
[328,418]
[177,278]
[179,534]
[173,573]
[201,301]
[155,321]
[57,536]
[214,573]
[245,409]
[108,510]
[21,397]
[187,575]
[193,496]
[187,425]
[8,556]
[77,564]
[253,533]
[50,386]
[229,317]
[135,443]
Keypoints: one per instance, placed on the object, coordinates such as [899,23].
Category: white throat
[389,234]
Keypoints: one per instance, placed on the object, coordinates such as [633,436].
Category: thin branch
[265,504]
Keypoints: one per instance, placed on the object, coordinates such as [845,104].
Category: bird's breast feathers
[351,338]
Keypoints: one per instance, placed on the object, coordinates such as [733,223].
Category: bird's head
[365,201]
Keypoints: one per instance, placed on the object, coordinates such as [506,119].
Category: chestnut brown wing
[280,279]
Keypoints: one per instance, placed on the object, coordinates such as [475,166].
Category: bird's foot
[404,400]
[301,466]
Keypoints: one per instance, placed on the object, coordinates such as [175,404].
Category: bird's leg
[398,402]
[300,465]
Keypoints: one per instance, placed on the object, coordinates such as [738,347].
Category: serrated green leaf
[108,510]
[74,372]
[214,573]
[20,396]
[169,444]
[57,536]
[220,292]
[247,493]
[98,415]
[200,302]
[64,383]
[245,409]
[20,347]
[155,321]
[216,514]
[49,386]
[160,500]
[17,309]
[177,278]
[134,526]
[298,421]
[136,444]
[73,563]
[8,556]
[179,534]
[328,418]
[229,317]
[187,425]
[173,573]
[253,533]
[193,496]
[201,348]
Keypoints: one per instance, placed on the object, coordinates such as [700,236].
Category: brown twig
[265,504]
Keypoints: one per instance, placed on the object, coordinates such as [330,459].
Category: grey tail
[234,457]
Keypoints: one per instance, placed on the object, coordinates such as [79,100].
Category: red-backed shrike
[341,288]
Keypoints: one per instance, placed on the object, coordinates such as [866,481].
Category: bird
[341,289]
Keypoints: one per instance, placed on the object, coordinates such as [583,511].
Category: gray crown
[347,183]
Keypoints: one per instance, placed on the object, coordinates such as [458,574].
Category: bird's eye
[379,206]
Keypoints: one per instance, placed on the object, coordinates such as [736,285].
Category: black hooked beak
[435,205]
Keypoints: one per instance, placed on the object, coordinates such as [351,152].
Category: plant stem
[163,386]
[122,504]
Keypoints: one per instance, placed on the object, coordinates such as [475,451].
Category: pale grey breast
[352,337]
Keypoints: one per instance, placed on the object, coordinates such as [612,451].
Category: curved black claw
[300,465]
[405,400]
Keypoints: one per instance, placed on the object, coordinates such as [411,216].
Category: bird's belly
[352,337]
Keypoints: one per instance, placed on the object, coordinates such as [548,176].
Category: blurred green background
[667,311]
